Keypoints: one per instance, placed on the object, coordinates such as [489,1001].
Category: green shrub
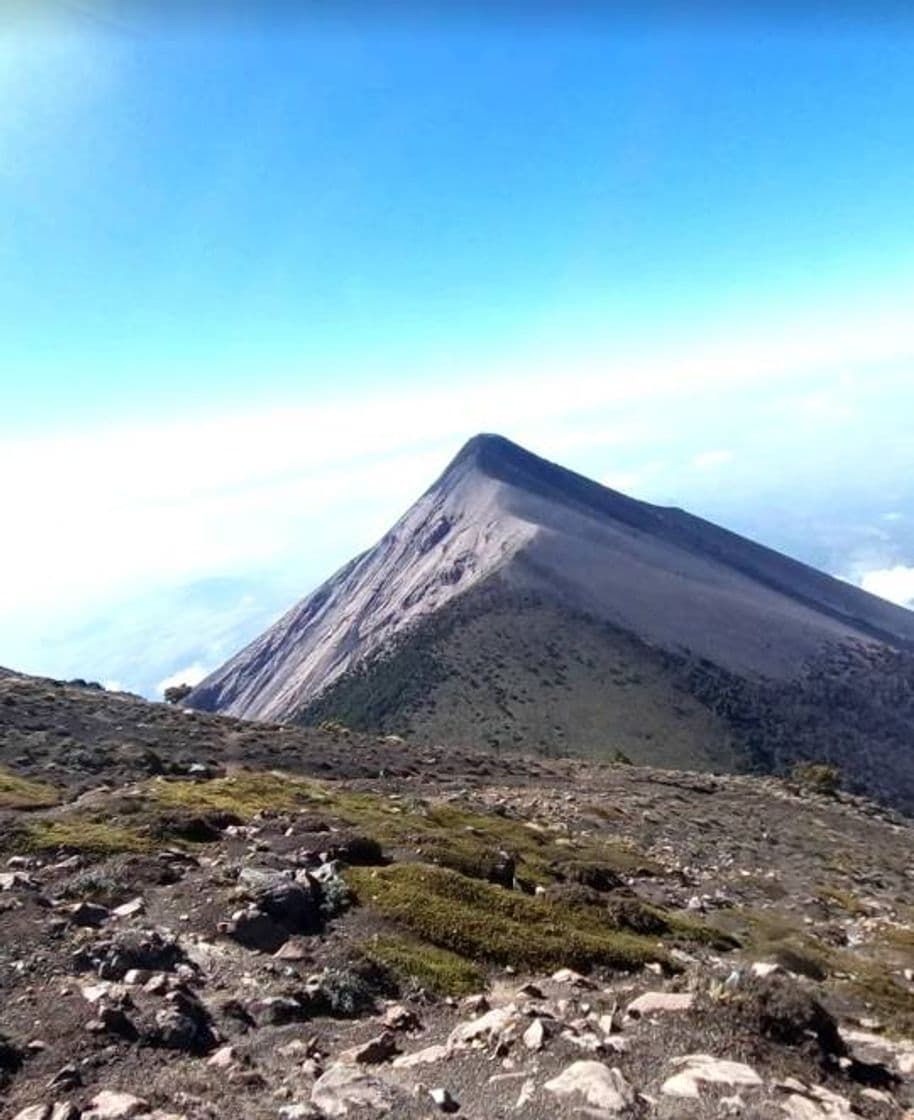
[245,793]
[347,992]
[480,921]
[81,834]
[24,793]
[427,966]
[817,777]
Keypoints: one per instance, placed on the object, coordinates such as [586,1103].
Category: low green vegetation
[900,938]
[451,835]
[777,937]
[81,834]
[773,936]
[483,922]
[437,970]
[885,998]
[24,793]
[847,900]
[817,777]
[466,841]
[105,885]
[245,793]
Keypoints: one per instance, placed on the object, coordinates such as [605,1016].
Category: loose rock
[597,1084]
[344,1087]
[696,1070]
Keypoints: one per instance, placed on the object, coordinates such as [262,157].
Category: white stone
[128,909]
[658,1003]
[569,976]
[11,879]
[597,1084]
[222,1058]
[525,1096]
[535,1035]
[92,993]
[763,969]
[801,1108]
[64,1110]
[424,1057]
[443,1100]
[703,1069]
[34,1112]
[344,1087]
[110,1104]
[498,1025]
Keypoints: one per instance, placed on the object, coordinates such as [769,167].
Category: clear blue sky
[246,217]
[192,206]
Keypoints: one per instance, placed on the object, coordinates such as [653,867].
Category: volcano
[521,605]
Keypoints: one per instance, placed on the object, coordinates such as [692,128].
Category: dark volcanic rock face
[527,675]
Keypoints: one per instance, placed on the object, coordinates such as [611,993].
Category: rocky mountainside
[207,919]
[519,604]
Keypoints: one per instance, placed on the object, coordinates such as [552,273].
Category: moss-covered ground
[426,965]
[483,922]
[23,793]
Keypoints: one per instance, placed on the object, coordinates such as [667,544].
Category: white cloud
[113,512]
[709,460]
[193,674]
[190,496]
[634,481]
[895,584]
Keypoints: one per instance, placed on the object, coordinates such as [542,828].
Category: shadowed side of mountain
[512,671]
[530,475]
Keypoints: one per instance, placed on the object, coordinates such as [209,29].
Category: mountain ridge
[509,462]
[665,597]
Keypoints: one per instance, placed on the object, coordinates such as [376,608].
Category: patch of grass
[883,996]
[451,835]
[458,837]
[244,793]
[630,913]
[768,935]
[24,793]
[483,922]
[817,777]
[847,900]
[596,874]
[437,970]
[82,835]
[899,938]
[103,886]
[466,855]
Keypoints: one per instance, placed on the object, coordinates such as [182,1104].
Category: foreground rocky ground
[207,919]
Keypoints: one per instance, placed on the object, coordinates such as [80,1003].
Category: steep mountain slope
[522,602]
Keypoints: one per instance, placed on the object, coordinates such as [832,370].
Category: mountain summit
[525,605]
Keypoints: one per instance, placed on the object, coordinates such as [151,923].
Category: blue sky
[260,277]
